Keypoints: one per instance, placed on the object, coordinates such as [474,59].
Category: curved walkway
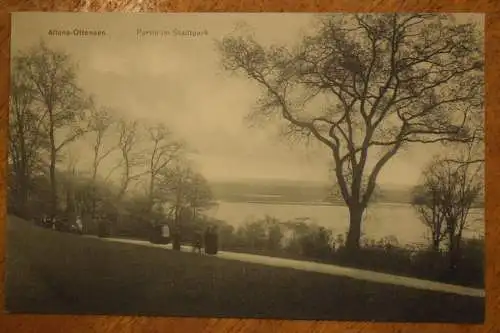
[330,269]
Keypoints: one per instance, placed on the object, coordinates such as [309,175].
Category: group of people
[207,240]
[63,223]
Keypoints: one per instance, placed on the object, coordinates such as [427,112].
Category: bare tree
[174,190]
[26,139]
[427,202]
[186,191]
[199,195]
[100,122]
[449,191]
[70,180]
[365,86]
[130,158]
[62,102]
[127,143]
[164,151]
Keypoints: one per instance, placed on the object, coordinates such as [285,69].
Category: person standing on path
[176,238]
[211,239]
[215,239]
[206,240]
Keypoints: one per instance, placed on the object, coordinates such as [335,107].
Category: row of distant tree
[136,172]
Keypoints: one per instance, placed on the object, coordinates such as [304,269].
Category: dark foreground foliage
[310,242]
[53,272]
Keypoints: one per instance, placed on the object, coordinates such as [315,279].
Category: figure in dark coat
[215,240]
[206,240]
[176,239]
[211,241]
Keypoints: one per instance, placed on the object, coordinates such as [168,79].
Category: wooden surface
[68,324]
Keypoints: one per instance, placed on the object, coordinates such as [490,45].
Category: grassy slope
[51,272]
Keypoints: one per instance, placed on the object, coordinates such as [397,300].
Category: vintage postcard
[269,165]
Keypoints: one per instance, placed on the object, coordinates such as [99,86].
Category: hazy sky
[178,81]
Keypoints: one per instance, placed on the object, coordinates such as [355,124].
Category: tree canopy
[367,85]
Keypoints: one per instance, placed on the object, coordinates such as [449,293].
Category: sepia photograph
[296,166]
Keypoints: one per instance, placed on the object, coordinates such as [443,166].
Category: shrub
[423,263]
[262,234]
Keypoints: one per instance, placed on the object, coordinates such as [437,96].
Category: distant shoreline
[294,203]
[316,203]
[300,203]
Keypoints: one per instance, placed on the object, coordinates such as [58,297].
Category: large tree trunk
[21,193]
[52,169]
[436,236]
[20,170]
[151,191]
[435,243]
[93,202]
[24,173]
[452,242]
[455,249]
[94,206]
[354,233]
[453,253]
[94,182]
[53,184]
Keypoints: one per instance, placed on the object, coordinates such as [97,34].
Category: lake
[380,220]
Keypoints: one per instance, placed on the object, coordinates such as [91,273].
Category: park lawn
[52,272]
